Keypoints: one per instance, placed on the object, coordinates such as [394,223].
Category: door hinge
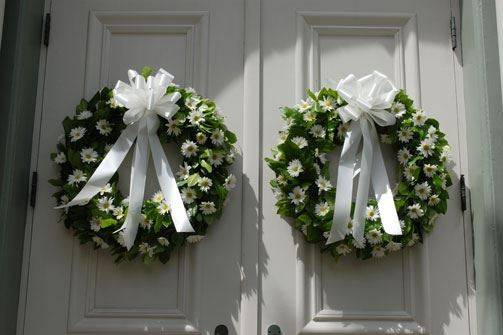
[454,32]
[33,190]
[47,29]
[462,192]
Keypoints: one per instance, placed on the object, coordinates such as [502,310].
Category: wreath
[205,143]
[305,194]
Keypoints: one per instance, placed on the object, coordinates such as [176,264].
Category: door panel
[74,289]
[421,290]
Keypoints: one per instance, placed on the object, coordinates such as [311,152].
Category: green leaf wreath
[207,147]
[302,179]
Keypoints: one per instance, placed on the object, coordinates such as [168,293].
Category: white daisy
[158,197]
[61,139]
[94,224]
[386,139]
[145,249]
[432,134]
[446,156]
[163,241]
[393,246]
[76,177]
[310,116]
[84,115]
[343,249]
[207,207]
[63,201]
[398,109]
[120,239]
[172,127]
[321,156]
[192,102]
[105,204]
[201,138]
[322,209]
[281,180]
[88,155]
[326,234]
[304,105]
[60,158]
[413,240]
[409,172]
[189,89]
[119,212]
[317,131]
[374,236]
[327,104]
[423,190]
[230,182]
[403,156]
[415,211]
[144,223]
[323,184]
[359,244]
[426,147]
[372,213]
[204,184]
[378,251]
[297,195]
[106,189]
[196,117]
[283,136]
[303,229]
[77,133]
[113,103]
[405,135]
[429,169]
[108,146]
[215,158]
[434,200]
[189,148]
[99,242]
[217,137]
[419,118]
[295,168]
[188,195]
[163,208]
[195,238]
[230,157]
[299,141]
[184,171]
[103,127]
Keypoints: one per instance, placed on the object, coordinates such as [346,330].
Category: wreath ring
[302,180]
[207,147]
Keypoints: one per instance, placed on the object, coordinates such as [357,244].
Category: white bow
[367,98]
[145,100]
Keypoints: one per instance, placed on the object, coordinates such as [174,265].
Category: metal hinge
[454,32]
[47,29]
[33,190]
[462,192]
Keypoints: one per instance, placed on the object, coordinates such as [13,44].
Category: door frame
[26,57]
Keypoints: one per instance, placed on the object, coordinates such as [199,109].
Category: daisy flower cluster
[207,150]
[304,191]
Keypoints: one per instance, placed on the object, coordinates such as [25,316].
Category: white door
[427,289]
[73,289]
[253,270]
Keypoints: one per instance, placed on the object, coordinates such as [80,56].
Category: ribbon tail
[382,190]
[343,197]
[167,182]
[108,167]
[363,182]
[137,186]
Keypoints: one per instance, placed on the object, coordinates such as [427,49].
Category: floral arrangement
[302,180]
[204,181]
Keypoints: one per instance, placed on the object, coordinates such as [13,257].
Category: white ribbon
[367,98]
[145,100]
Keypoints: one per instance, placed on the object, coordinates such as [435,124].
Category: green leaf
[146,71]
[68,124]
[74,158]
[56,182]
[231,137]
[104,223]
[206,165]
[193,179]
